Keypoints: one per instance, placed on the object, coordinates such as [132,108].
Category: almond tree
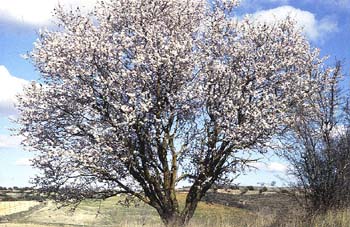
[139,96]
[318,146]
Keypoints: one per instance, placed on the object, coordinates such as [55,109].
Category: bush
[263,189]
[250,188]
[319,148]
[285,191]
[234,187]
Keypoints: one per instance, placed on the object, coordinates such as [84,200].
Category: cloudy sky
[326,23]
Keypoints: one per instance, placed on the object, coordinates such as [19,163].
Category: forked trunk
[174,221]
[177,219]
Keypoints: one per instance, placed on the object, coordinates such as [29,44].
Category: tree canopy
[138,96]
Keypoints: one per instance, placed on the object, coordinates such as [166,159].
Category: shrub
[250,188]
[263,189]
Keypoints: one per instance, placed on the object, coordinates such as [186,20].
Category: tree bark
[173,220]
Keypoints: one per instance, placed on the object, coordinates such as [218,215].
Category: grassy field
[109,213]
[218,209]
[11,207]
[91,213]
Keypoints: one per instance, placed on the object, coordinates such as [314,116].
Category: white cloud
[23,162]
[270,167]
[10,86]
[339,130]
[37,12]
[7,141]
[277,167]
[314,29]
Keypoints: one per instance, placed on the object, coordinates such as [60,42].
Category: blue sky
[326,23]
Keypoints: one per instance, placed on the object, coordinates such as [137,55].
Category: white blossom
[134,81]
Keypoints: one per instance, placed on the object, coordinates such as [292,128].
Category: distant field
[217,210]
[11,207]
[110,214]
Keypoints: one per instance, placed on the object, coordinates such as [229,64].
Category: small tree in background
[138,96]
[320,147]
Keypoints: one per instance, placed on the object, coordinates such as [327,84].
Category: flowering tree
[317,146]
[138,96]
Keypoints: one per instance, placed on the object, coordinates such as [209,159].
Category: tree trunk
[173,220]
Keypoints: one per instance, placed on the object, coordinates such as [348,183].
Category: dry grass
[340,218]
[109,214]
[11,207]
[28,225]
